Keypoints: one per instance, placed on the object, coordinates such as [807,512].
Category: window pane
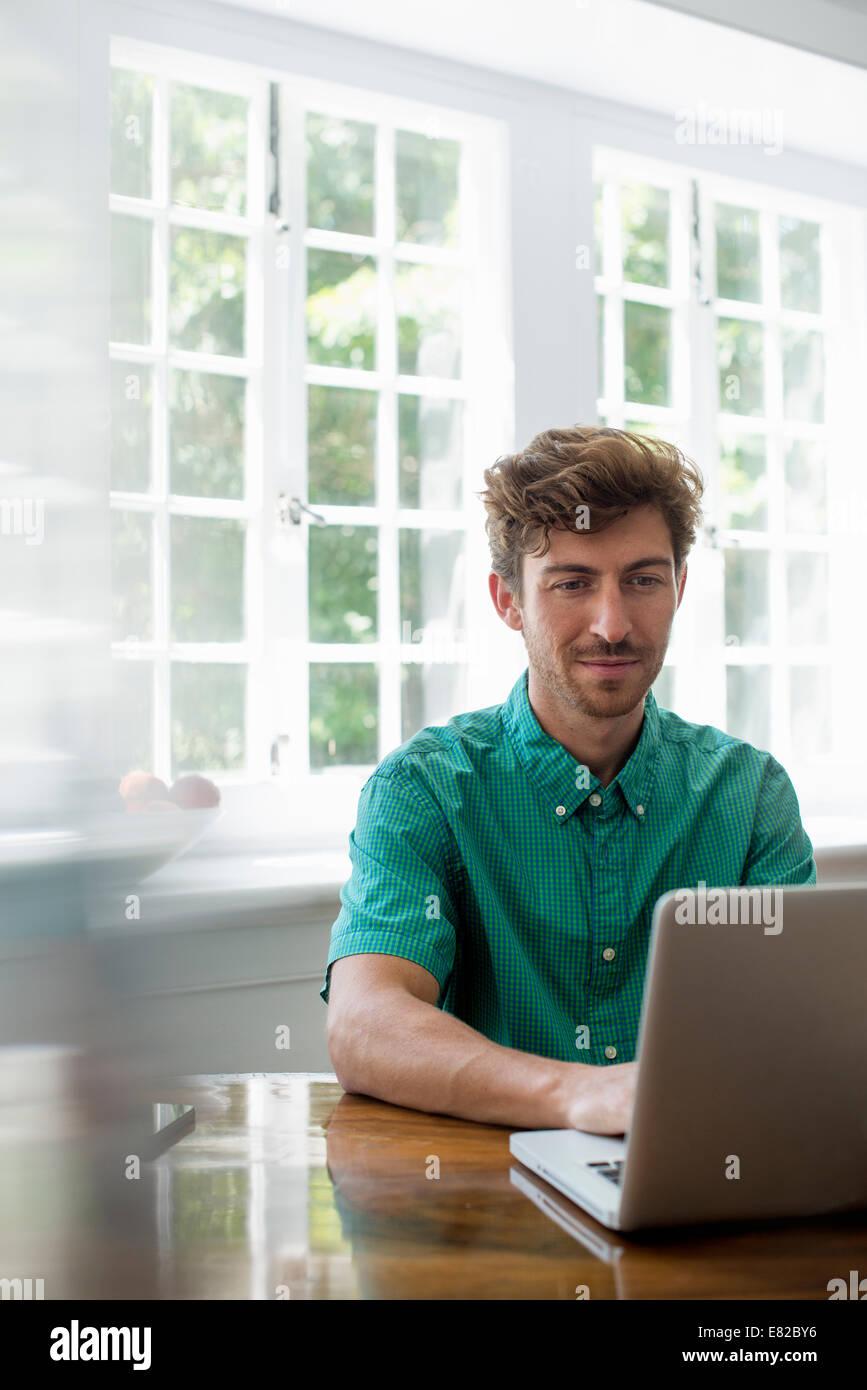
[208,702]
[206,430]
[810,709]
[645,234]
[130,279]
[130,426]
[598,233]
[748,704]
[431,451]
[131,108]
[807,587]
[340,174]
[341,309]
[209,149]
[131,558]
[426,187]
[341,445]
[647,347]
[806,486]
[343,583]
[429,327]
[344,726]
[663,688]
[800,266]
[600,345]
[432,582]
[207,278]
[744,483]
[132,715]
[803,375]
[740,353]
[430,693]
[207,579]
[747,596]
[738,253]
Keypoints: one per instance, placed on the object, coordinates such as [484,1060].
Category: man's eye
[648,579]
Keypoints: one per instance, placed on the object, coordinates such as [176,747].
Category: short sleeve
[780,849]
[399,899]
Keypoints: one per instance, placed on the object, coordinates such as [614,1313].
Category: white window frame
[698,652]
[275,417]
[161,357]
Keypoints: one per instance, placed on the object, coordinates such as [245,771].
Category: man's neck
[601,744]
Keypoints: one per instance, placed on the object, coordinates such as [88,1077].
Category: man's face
[612,594]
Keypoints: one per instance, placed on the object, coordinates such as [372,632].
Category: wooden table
[289,1188]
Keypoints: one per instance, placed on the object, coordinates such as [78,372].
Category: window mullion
[613,339]
[388,594]
[160,455]
[259,725]
[286,460]
[701,677]
[778,614]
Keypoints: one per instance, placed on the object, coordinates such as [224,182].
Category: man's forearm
[398,1048]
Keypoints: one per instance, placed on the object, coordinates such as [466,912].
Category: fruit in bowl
[142,791]
[139,789]
[194,793]
[166,821]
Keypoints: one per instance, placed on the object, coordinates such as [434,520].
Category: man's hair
[606,470]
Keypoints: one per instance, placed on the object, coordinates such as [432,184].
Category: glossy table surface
[289,1188]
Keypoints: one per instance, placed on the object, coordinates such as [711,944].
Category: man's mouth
[608,668]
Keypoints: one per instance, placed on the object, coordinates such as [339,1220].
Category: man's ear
[682,584]
[505,602]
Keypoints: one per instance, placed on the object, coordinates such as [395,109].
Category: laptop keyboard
[612,1168]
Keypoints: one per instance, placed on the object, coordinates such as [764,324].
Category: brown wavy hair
[538,490]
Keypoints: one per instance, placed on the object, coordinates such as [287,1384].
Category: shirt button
[639,810]
[561,810]
[596,799]
[609,953]
[610,1052]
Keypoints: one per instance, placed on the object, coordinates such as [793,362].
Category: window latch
[289,510]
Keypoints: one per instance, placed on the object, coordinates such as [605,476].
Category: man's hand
[602,1100]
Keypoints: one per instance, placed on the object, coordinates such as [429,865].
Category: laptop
[751,1088]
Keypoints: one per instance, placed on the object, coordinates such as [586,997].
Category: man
[488,961]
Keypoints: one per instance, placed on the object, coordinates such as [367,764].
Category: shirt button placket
[604,923]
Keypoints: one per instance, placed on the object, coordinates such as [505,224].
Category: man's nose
[610,620]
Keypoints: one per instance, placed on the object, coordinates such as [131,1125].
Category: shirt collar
[560,780]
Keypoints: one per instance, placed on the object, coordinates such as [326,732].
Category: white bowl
[128,847]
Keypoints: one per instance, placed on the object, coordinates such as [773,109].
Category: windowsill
[200,892]
[837,832]
[286,817]
[203,891]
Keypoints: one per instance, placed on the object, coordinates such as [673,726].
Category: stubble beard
[559,675]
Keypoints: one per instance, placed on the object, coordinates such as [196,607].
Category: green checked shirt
[485,853]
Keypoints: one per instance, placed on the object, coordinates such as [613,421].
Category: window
[187,201]
[386,290]
[719,328]
[301,282]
